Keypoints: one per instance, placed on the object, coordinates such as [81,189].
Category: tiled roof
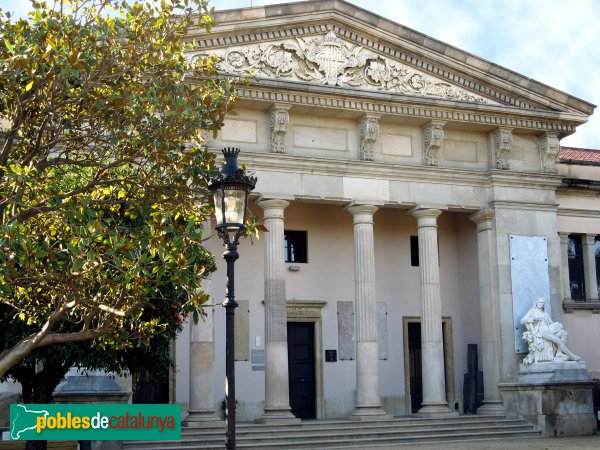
[579,155]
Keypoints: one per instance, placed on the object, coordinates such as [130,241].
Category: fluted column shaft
[277,397]
[201,411]
[492,401]
[432,345]
[368,401]
[564,266]
[589,263]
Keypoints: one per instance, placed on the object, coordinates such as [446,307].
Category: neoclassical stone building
[417,200]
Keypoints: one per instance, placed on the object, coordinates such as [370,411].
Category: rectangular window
[576,272]
[414,251]
[295,246]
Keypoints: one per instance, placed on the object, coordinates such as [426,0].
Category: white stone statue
[546,339]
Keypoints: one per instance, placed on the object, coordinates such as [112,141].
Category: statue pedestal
[554,396]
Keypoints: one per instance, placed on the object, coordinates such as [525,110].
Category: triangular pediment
[328,60]
[334,44]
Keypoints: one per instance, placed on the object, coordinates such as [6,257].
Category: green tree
[100,115]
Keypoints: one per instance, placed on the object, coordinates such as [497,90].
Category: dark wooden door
[414,354]
[301,365]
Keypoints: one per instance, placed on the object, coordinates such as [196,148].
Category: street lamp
[230,190]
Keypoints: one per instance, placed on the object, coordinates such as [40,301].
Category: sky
[555,42]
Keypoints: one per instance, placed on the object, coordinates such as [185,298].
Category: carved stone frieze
[368,130]
[433,138]
[503,140]
[280,119]
[330,61]
[549,150]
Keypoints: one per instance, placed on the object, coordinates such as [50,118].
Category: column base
[201,419]
[278,417]
[433,410]
[370,414]
[491,408]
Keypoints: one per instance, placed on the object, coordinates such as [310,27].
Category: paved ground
[565,443]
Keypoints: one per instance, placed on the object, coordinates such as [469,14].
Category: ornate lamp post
[230,190]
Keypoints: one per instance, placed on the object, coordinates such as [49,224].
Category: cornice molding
[576,212]
[401,105]
[396,172]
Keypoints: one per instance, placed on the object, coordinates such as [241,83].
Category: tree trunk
[44,383]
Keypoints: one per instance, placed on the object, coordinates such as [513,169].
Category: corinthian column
[492,402]
[368,402]
[432,345]
[277,396]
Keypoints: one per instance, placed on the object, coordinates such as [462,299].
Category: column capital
[273,207]
[362,213]
[589,239]
[563,235]
[483,219]
[426,217]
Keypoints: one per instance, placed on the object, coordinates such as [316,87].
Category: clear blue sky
[556,42]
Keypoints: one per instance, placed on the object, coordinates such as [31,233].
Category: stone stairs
[330,434]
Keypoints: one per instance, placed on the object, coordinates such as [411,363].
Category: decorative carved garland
[330,61]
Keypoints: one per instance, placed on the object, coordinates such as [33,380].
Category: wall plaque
[529,273]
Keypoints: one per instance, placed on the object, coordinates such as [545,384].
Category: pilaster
[589,265]
[488,298]
[564,266]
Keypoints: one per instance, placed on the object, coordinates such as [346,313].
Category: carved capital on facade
[280,119]
[483,219]
[433,139]
[503,140]
[368,130]
[549,150]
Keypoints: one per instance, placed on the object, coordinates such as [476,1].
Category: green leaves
[101,195]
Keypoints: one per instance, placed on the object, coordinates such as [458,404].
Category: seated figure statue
[546,339]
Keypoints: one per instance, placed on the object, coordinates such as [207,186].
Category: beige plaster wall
[328,276]
[584,335]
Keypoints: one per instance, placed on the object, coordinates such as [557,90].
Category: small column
[564,266]
[432,344]
[589,264]
[368,402]
[277,397]
[492,401]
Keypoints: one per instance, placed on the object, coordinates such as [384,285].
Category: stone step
[347,434]
[327,426]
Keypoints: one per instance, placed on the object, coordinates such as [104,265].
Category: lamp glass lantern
[230,190]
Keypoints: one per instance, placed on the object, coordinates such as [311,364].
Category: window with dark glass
[414,251]
[295,246]
[597,252]
[576,272]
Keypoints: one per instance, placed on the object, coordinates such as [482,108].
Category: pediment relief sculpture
[330,61]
